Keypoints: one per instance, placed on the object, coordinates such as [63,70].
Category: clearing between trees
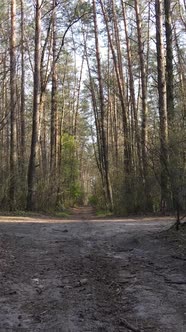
[85,274]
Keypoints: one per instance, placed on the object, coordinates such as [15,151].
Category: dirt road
[88,275]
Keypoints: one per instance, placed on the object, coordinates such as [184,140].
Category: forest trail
[90,275]
[83,213]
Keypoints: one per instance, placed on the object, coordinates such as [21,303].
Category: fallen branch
[175,282]
[123,322]
[177,257]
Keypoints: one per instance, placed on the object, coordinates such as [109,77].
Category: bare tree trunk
[112,126]
[102,112]
[122,97]
[182,76]
[43,145]
[98,157]
[132,89]
[143,78]
[36,107]
[143,89]
[54,116]
[162,105]
[75,114]
[121,74]
[22,108]
[169,62]
[13,108]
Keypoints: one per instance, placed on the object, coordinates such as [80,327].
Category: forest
[93,165]
[93,105]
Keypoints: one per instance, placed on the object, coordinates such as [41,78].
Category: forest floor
[85,274]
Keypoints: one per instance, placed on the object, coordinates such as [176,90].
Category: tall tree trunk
[102,113]
[143,77]
[99,155]
[13,110]
[182,76]
[22,108]
[76,108]
[132,88]
[36,107]
[162,104]
[169,62]
[54,115]
[143,88]
[125,103]
[122,97]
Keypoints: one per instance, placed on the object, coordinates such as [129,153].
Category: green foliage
[70,163]
[61,214]
[76,193]
[93,200]
[68,142]
[71,187]
[83,9]
[103,213]
[76,179]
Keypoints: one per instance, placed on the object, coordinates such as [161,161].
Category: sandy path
[86,275]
